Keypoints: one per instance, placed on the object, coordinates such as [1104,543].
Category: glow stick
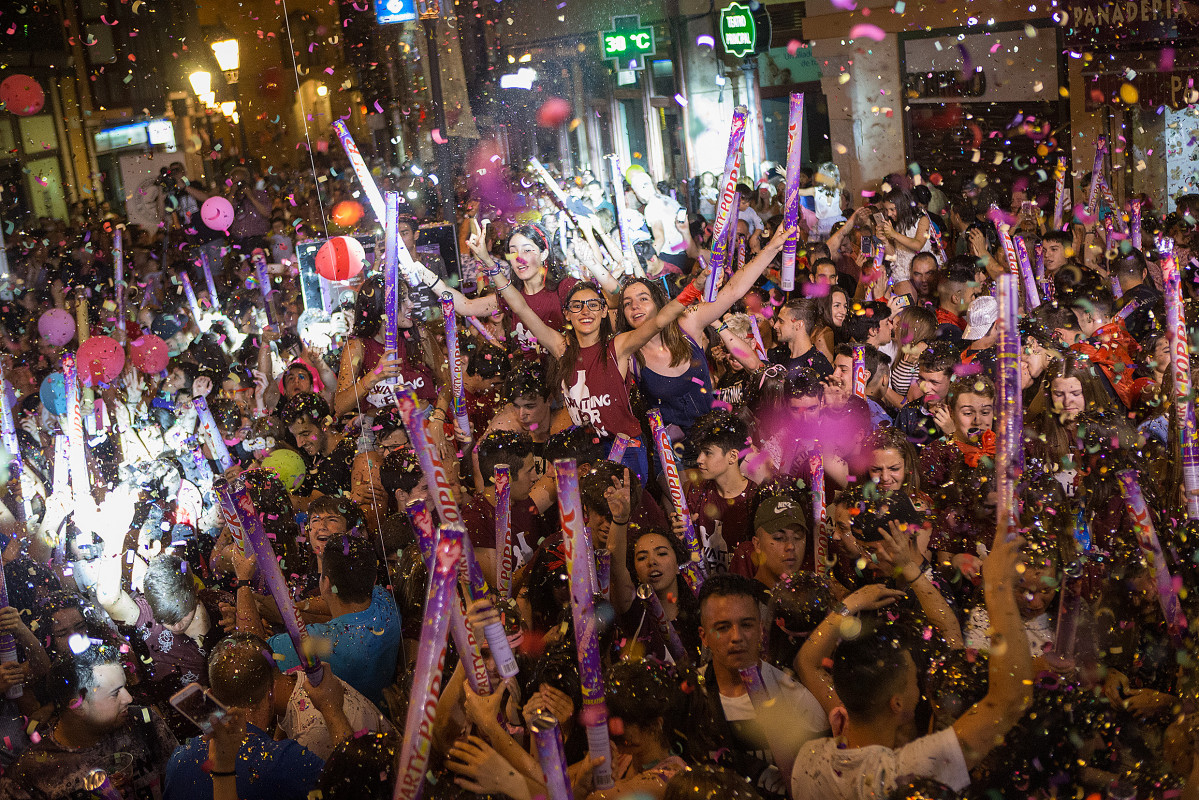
[859,370]
[8,644]
[755,687]
[497,639]
[1134,224]
[1096,177]
[413,758]
[1167,595]
[257,542]
[192,302]
[548,739]
[505,559]
[391,277]
[695,570]
[791,201]
[819,513]
[359,166]
[486,334]
[666,631]
[457,384]
[622,214]
[594,714]
[1032,298]
[118,265]
[1184,409]
[215,442]
[603,572]
[727,211]
[1008,458]
[264,285]
[621,444]
[214,300]
[80,482]
[1059,193]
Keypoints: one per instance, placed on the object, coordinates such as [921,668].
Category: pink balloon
[22,95]
[101,360]
[340,258]
[217,213]
[56,326]
[149,353]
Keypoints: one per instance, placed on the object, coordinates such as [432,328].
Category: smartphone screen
[198,705]
[903,300]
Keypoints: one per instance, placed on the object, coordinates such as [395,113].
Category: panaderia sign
[1108,23]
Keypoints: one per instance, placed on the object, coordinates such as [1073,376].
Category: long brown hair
[672,335]
[888,438]
[563,366]
[1059,436]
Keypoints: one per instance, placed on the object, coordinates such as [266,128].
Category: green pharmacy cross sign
[628,42]
[738,31]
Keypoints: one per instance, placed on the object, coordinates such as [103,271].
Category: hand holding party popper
[8,644]
[497,639]
[721,249]
[1032,297]
[695,570]
[621,444]
[819,514]
[486,334]
[118,283]
[548,740]
[229,515]
[728,210]
[214,300]
[1180,362]
[1167,595]
[505,559]
[759,346]
[360,170]
[413,758]
[859,370]
[391,277]
[216,444]
[192,302]
[457,383]
[791,199]
[436,478]
[257,543]
[594,714]
[666,629]
[1009,248]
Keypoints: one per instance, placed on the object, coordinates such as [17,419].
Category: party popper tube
[229,515]
[413,757]
[1059,193]
[436,478]
[1039,267]
[391,272]
[214,300]
[759,346]
[1007,455]
[755,687]
[422,524]
[727,209]
[263,276]
[80,482]
[8,435]
[1096,177]
[199,462]
[256,542]
[8,645]
[1135,231]
[61,482]
[548,740]
[505,558]
[740,252]
[666,630]
[359,166]
[1009,250]
[1180,363]
[118,281]
[621,444]
[622,214]
[594,715]
[216,442]
[1167,595]
[1069,604]
[457,384]
[486,334]
[1032,298]
[97,784]
[859,370]
[497,639]
[722,245]
[819,513]
[695,570]
[603,572]
[791,198]
[192,303]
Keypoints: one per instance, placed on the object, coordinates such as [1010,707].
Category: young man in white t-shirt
[757,743]
[872,688]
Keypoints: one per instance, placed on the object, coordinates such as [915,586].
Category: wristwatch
[843,611]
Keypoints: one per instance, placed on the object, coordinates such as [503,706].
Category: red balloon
[149,353]
[553,112]
[340,258]
[101,360]
[22,95]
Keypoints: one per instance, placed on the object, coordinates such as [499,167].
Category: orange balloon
[347,213]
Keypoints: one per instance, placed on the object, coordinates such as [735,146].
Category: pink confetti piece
[868,31]
[437,137]
[845,5]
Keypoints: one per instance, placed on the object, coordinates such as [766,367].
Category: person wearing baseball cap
[981,333]
[780,539]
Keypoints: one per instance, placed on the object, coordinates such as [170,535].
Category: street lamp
[228,58]
[201,82]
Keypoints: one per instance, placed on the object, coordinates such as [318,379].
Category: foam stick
[695,570]
[1135,231]
[118,283]
[497,639]
[666,630]
[505,558]
[80,482]
[192,302]
[791,198]
[618,447]
[727,209]
[603,572]
[819,513]
[594,714]
[1032,297]
[391,270]
[859,370]
[457,382]
[622,214]
[486,334]
[257,543]
[214,300]
[1184,408]
[1008,458]
[1167,595]
[755,687]
[359,166]
[216,444]
[1096,177]
[413,757]
[1059,193]
[8,644]
[548,740]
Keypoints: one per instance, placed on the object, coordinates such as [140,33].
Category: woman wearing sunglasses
[591,363]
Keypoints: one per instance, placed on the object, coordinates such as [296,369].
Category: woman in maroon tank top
[536,272]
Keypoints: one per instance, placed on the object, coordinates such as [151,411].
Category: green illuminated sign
[628,42]
[738,31]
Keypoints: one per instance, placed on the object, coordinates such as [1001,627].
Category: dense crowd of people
[831,602]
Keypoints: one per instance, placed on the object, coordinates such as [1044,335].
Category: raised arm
[630,342]
[900,543]
[624,588]
[463,305]
[1009,674]
[549,338]
[737,286]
